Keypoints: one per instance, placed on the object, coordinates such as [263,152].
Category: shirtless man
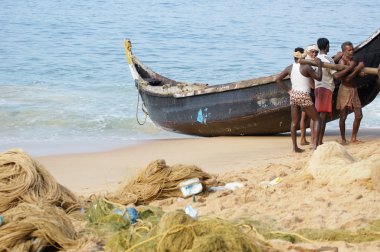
[300,76]
[348,98]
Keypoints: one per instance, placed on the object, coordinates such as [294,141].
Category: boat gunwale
[199,88]
[367,41]
[204,88]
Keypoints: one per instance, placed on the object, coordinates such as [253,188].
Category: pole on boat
[339,67]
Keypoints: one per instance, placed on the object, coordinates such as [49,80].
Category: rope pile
[34,206]
[159,181]
[30,227]
[22,179]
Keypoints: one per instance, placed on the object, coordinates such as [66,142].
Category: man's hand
[318,61]
[360,65]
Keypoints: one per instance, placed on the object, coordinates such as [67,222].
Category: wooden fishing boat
[248,107]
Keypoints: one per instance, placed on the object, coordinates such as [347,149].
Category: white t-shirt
[299,82]
[327,74]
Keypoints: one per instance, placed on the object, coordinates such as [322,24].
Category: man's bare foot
[343,142]
[298,150]
[304,142]
[355,141]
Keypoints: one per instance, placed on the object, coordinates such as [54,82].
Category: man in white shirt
[311,52]
[324,89]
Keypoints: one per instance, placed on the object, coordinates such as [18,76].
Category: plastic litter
[229,186]
[189,210]
[190,187]
[267,184]
[130,214]
[133,214]
[1,220]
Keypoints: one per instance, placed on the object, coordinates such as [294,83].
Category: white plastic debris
[191,187]
[233,185]
[229,186]
[189,210]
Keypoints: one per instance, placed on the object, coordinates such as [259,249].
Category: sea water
[65,85]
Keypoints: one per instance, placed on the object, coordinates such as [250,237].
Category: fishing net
[159,181]
[114,225]
[31,227]
[270,231]
[332,164]
[176,231]
[23,179]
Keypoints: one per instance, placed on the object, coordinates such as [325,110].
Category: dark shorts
[312,95]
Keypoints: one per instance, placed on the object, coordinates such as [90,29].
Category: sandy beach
[91,172]
[298,201]
[87,173]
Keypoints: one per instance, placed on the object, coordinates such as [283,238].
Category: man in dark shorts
[348,98]
[300,76]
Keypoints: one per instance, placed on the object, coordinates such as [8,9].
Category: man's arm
[341,74]
[316,75]
[282,76]
[337,57]
[356,71]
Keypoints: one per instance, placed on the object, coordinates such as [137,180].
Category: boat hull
[257,110]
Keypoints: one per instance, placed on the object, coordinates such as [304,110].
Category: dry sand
[299,201]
